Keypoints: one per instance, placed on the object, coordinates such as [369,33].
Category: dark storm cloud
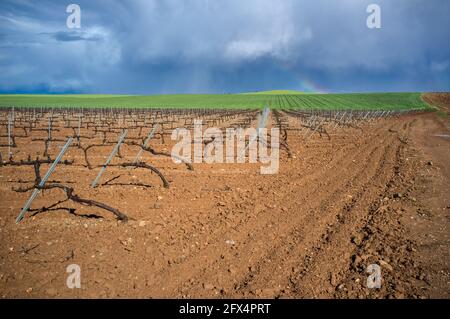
[187,46]
[72,36]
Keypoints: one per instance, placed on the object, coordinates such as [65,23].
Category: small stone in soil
[208,286]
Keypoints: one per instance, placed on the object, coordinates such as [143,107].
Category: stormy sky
[223,46]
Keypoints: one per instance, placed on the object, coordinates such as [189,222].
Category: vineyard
[34,137]
[91,180]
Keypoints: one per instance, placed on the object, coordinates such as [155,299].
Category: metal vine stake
[79,129]
[9,135]
[149,137]
[261,124]
[111,156]
[43,181]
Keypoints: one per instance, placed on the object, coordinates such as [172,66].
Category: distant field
[277,92]
[273,99]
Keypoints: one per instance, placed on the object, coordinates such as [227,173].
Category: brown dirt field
[376,195]
[439,100]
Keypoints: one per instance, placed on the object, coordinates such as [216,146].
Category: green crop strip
[359,101]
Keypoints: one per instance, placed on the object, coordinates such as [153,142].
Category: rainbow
[307,85]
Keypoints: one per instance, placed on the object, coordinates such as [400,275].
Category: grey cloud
[68,36]
[152,46]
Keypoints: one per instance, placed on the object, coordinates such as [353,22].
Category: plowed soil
[375,195]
